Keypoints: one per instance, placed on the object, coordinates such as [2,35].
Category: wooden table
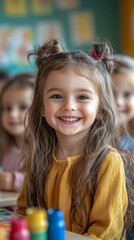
[75,236]
[8,199]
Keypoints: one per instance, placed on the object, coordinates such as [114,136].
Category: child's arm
[110,201]
[6,181]
[11,181]
[18,181]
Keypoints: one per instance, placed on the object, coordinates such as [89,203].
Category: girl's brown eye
[23,107]
[56,96]
[127,94]
[7,109]
[82,97]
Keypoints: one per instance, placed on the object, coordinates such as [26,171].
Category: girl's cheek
[50,109]
[131,104]
[49,112]
[3,119]
[131,108]
[24,115]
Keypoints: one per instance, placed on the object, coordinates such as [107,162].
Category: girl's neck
[68,146]
[18,141]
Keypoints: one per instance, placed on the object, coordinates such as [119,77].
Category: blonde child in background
[123,87]
[15,100]
[71,159]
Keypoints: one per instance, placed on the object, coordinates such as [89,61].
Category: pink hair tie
[48,55]
[95,55]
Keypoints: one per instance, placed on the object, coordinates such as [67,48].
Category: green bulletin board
[25,24]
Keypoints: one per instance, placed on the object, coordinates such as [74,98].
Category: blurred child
[15,100]
[123,86]
[71,162]
[4,77]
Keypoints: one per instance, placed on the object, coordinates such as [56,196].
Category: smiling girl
[71,159]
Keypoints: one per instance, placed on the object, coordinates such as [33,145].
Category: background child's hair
[40,138]
[22,80]
[4,76]
[122,63]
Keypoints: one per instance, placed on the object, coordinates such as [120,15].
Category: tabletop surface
[8,198]
[75,236]
[7,216]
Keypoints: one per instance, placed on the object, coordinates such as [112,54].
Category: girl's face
[15,103]
[70,102]
[124,94]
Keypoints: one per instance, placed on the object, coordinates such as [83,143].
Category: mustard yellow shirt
[110,200]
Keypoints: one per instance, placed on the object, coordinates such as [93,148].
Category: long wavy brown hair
[40,139]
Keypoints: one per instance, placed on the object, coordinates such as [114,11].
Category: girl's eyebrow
[86,90]
[18,102]
[53,89]
[6,103]
[79,89]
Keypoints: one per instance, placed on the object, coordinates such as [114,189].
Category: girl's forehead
[18,88]
[83,71]
[124,78]
[16,91]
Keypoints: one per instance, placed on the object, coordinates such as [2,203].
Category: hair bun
[51,47]
[105,50]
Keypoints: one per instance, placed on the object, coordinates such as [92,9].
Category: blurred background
[25,24]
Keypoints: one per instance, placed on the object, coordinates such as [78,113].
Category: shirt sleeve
[110,201]
[18,181]
[22,199]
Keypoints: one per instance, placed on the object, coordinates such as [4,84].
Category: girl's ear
[42,111]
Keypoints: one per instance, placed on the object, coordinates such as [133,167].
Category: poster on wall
[15,7]
[67,4]
[47,30]
[15,43]
[4,39]
[82,28]
[41,6]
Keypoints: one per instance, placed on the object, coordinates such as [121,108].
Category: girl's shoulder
[112,163]
[113,156]
[12,150]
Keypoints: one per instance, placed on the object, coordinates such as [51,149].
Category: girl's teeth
[70,119]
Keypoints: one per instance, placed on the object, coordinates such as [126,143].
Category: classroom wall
[25,24]
[127,27]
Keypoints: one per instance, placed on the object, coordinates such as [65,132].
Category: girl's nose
[69,106]
[14,112]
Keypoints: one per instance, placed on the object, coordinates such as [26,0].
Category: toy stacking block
[19,229]
[56,226]
[38,224]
